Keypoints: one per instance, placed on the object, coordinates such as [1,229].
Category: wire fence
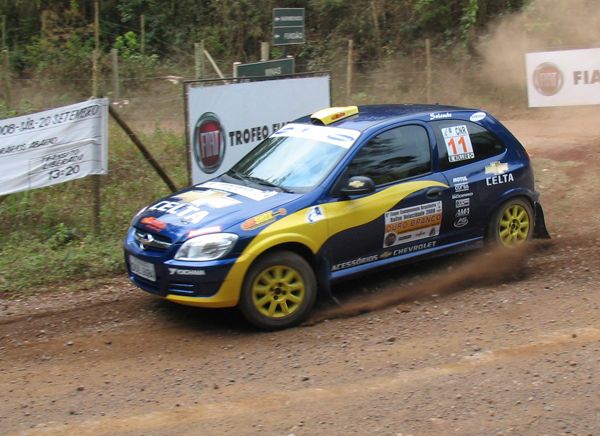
[152,103]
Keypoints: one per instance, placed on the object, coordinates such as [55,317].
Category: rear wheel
[512,224]
[279,291]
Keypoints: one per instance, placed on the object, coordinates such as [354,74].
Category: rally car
[330,196]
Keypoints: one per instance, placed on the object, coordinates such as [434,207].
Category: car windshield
[296,158]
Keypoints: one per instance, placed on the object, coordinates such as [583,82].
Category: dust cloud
[481,268]
[543,25]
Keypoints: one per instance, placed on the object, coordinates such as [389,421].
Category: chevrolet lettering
[329,197]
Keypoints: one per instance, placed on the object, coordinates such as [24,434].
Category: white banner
[563,78]
[53,146]
[225,122]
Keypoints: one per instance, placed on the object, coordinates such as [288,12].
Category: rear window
[462,142]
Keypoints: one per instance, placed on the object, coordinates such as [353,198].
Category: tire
[279,291]
[512,224]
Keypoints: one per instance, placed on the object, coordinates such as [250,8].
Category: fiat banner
[227,120]
[53,146]
[563,78]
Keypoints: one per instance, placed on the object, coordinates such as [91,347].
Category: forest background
[476,59]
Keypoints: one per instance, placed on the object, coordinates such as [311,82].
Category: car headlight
[207,247]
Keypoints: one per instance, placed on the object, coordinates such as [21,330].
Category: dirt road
[512,350]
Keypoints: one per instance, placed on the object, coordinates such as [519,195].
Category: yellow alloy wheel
[514,226]
[278,291]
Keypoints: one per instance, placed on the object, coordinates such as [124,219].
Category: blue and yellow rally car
[332,195]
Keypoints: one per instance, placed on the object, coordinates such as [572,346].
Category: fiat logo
[209,142]
[547,79]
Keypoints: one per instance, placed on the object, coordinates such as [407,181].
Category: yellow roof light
[331,114]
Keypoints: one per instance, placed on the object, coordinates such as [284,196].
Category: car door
[465,150]
[404,215]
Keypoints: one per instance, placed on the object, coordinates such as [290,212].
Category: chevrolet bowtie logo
[496,168]
[144,239]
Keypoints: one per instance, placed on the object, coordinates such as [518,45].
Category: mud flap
[324,285]
[540,231]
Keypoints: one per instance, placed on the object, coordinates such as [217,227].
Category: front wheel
[512,224]
[278,291]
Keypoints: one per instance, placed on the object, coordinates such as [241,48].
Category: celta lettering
[499,180]
[187,212]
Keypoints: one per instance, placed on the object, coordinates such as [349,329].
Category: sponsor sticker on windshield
[210,197]
[332,135]
[244,191]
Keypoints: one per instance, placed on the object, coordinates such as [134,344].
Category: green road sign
[277,67]
[288,26]
[288,35]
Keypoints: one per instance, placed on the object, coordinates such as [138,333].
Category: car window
[462,142]
[393,155]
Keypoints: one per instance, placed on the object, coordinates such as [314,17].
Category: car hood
[212,207]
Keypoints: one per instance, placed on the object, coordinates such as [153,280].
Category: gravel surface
[512,349]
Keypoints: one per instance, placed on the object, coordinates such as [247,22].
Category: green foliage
[31,263]
[134,64]
[47,237]
[128,45]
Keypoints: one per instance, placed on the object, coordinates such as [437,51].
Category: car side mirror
[358,185]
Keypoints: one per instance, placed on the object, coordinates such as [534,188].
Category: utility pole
[142,34]
[428,69]
[96,178]
[199,59]
[5,67]
[114,54]
[3,32]
[349,71]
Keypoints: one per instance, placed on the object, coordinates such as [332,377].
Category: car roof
[372,115]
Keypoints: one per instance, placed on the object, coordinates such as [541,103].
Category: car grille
[147,241]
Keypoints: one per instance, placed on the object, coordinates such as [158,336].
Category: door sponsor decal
[412,223]
[315,214]
[461,222]
[463,202]
[397,252]
[263,219]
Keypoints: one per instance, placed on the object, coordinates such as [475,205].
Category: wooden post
[349,71]
[234,72]
[375,18]
[428,69]
[142,149]
[114,54]
[142,34]
[264,51]
[214,64]
[199,59]
[6,78]
[5,67]
[95,179]
[3,32]
[44,28]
